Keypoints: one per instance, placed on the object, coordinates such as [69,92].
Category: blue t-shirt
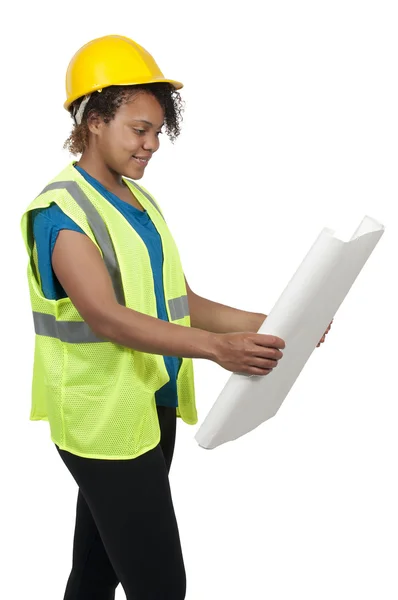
[48,222]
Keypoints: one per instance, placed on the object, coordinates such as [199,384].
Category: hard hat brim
[176,84]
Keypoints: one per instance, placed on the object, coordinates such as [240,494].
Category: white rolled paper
[300,317]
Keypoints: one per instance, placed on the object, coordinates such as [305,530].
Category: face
[128,141]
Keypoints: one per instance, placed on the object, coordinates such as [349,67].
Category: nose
[151,142]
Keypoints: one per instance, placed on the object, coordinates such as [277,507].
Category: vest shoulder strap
[145,193]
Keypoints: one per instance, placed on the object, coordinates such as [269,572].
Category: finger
[264,352]
[271,341]
[257,371]
[263,363]
[254,371]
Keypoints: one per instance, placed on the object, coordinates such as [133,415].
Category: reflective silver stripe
[79,331]
[74,332]
[147,196]
[179,308]
[100,232]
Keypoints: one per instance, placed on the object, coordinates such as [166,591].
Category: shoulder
[50,213]
[53,217]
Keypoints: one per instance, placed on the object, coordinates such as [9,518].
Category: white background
[290,126]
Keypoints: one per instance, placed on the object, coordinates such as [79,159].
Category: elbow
[103,323]
[195,310]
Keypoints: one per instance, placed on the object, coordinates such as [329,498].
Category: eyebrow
[146,122]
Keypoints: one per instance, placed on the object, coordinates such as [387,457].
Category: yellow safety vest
[98,396]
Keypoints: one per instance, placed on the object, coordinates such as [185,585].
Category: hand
[248,353]
[325,334]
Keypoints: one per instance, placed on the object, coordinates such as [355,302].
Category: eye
[159,133]
[139,131]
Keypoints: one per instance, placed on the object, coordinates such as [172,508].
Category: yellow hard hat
[111,60]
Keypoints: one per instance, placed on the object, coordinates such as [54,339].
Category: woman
[117,326]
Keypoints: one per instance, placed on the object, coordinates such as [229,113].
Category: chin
[134,173]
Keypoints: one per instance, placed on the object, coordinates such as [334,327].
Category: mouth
[140,160]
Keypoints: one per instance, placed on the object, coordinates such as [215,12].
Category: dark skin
[325,334]
[134,132]
[109,155]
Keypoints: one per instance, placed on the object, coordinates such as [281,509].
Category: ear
[95,122]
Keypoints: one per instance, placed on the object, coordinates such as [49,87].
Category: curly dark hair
[111,98]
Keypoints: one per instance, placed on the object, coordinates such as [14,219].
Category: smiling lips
[141,160]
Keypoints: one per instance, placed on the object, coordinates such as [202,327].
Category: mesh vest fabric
[98,396]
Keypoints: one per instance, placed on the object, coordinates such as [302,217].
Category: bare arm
[220,318]
[82,273]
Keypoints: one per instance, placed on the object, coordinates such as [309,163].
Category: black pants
[126,530]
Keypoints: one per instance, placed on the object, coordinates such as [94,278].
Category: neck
[100,171]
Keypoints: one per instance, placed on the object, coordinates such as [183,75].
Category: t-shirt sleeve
[47,223]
